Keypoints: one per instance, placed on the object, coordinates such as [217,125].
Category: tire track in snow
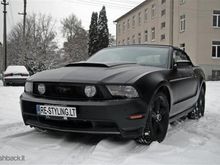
[77,147]
[14,130]
[114,150]
[85,144]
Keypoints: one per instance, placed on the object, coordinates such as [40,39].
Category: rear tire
[158,120]
[199,108]
[4,83]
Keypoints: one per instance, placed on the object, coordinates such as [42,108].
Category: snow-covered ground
[188,142]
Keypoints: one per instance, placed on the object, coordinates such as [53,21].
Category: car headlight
[28,87]
[90,91]
[123,91]
[41,89]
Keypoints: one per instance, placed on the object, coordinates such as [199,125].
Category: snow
[16,69]
[187,142]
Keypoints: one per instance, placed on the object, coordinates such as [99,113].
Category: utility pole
[24,29]
[24,17]
[4,3]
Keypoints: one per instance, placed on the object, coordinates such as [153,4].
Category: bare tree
[38,49]
[76,36]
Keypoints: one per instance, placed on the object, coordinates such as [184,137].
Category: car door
[182,81]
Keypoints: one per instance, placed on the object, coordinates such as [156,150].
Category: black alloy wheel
[158,120]
[199,108]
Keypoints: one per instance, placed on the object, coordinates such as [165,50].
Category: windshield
[149,56]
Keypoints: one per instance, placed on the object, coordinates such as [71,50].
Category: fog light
[41,89]
[90,91]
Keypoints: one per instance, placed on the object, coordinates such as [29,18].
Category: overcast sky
[59,9]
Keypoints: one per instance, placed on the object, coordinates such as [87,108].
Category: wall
[206,34]
[147,25]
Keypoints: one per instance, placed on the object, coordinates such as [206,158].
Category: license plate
[56,111]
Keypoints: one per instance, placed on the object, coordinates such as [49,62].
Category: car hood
[95,73]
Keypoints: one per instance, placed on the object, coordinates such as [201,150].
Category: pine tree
[103,32]
[93,34]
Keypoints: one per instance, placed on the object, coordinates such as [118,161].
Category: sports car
[133,91]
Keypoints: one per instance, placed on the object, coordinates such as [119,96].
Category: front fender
[151,83]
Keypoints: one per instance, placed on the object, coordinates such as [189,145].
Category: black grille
[65,91]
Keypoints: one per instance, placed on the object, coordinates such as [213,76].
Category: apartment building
[193,25]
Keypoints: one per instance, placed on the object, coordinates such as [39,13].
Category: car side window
[181,58]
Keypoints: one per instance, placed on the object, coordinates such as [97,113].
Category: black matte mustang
[134,91]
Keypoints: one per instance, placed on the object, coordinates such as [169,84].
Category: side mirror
[175,66]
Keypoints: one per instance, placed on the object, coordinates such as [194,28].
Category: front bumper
[20,81]
[98,117]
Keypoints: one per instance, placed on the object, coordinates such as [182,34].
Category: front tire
[199,109]
[158,120]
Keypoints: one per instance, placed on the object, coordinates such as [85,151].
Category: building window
[139,18]
[182,2]
[163,25]
[163,1]
[163,12]
[153,34]
[119,29]
[216,18]
[128,41]
[146,36]
[133,39]
[182,46]
[123,27]
[123,43]
[162,37]
[215,74]
[133,22]
[182,23]
[216,49]
[128,23]
[139,38]
[153,11]
[145,14]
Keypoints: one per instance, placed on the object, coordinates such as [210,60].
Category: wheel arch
[165,89]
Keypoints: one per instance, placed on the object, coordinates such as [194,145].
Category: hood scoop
[85,64]
[103,65]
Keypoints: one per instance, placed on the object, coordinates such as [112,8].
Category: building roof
[132,10]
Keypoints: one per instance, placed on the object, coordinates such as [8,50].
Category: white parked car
[15,74]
